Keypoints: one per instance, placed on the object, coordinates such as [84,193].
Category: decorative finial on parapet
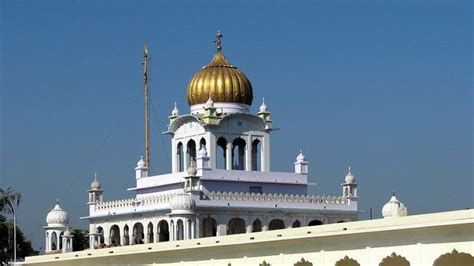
[218,41]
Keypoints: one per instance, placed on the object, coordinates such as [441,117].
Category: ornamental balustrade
[127,203]
[263,197]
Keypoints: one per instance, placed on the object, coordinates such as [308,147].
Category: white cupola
[141,170]
[175,111]
[95,193]
[57,222]
[301,165]
[349,187]
[394,208]
[182,203]
[57,217]
[264,114]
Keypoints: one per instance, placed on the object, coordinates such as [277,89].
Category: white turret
[141,170]
[349,187]
[57,221]
[95,193]
[394,208]
[301,165]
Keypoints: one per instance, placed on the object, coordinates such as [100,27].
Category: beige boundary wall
[420,239]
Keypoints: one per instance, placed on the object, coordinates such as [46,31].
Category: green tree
[9,202]
[80,240]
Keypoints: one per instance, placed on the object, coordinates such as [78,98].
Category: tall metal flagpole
[147,130]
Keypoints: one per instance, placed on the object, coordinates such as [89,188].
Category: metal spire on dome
[218,41]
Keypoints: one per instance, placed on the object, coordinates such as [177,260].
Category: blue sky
[383,86]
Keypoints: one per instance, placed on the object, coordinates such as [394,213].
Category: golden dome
[221,80]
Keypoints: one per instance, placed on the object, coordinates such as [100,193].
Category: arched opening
[179,230]
[220,149]
[114,235]
[256,155]
[346,261]
[296,224]
[202,143]
[126,236]
[163,231]
[394,260]
[100,230]
[238,154]
[150,235]
[454,258]
[276,224]
[54,241]
[236,226]
[209,227]
[137,234]
[256,226]
[180,157]
[190,153]
[315,222]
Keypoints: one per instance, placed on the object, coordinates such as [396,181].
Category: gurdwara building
[221,192]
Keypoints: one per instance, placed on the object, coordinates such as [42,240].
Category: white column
[193,229]
[174,157]
[185,229]
[249,228]
[58,243]
[228,156]
[265,154]
[248,154]
[46,247]
[211,147]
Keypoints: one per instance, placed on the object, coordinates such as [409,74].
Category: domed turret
[57,217]
[350,179]
[394,208]
[222,81]
[95,185]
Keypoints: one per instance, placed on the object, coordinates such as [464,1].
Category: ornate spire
[218,41]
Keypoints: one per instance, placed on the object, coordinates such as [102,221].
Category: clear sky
[385,86]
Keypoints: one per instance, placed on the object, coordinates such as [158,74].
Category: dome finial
[218,41]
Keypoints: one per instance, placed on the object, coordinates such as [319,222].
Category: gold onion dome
[220,80]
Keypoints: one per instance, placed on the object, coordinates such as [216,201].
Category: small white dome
[175,111]
[67,232]
[263,107]
[95,185]
[210,102]
[141,163]
[57,216]
[394,208]
[300,157]
[350,179]
[182,202]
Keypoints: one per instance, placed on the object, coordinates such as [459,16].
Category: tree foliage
[80,239]
[9,202]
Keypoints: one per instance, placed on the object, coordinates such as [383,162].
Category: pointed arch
[303,262]
[236,226]
[454,258]
[209,227]
[221,149]
[180,157]
[256,155]
[179,230]
[394,260]
[163,231]
[114,234]
[190,152]
[238,154]
[257,226]
[276,224]
[315,222]
[296,224]
[346,261]
[150,234]
[138,235]
[126,235]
